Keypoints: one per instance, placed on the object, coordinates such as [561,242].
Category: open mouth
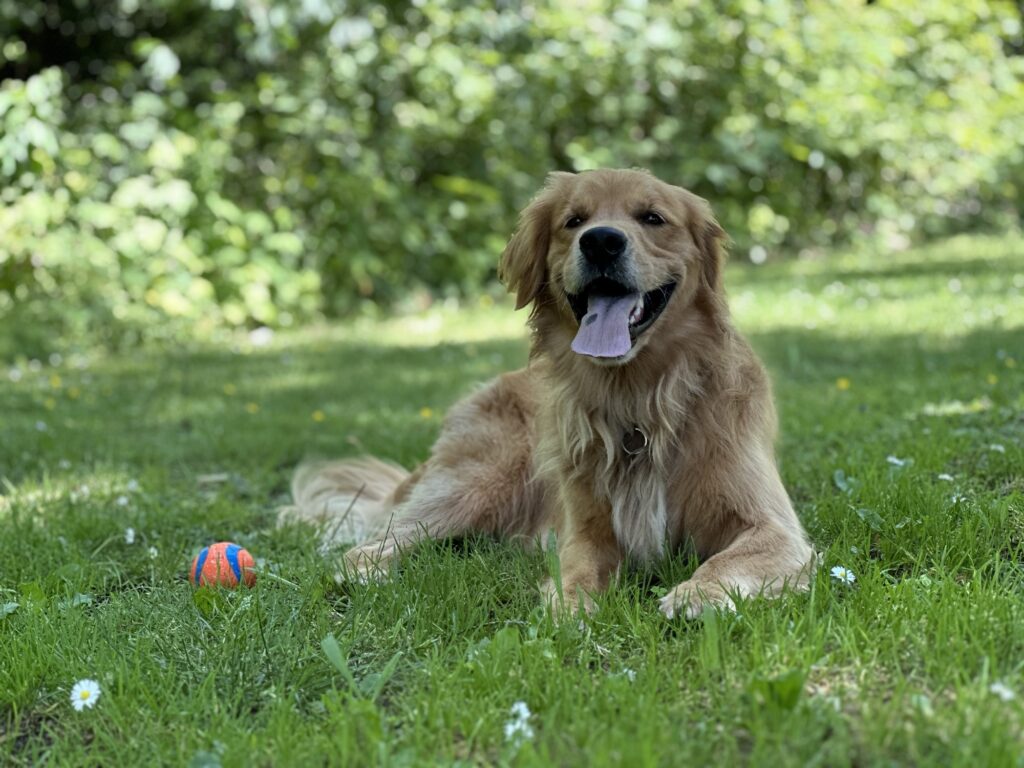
[612,316]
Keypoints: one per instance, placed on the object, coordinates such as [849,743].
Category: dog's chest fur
[588,446]
[639,508]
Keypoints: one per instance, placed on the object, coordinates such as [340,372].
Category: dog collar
[635,441]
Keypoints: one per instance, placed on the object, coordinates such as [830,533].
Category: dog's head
[615,258]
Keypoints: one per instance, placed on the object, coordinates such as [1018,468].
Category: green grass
[895,668]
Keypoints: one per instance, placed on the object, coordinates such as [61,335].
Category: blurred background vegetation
[193,165]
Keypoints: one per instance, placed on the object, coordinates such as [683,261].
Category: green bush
[213,163]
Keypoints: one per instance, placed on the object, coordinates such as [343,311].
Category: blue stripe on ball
[231,553]
[200,562]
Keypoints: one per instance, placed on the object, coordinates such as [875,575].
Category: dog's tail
[351,499]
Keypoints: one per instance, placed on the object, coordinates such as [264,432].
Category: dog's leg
[588,553]
[348,500]
[759,562]
[372,557]
[478,479]
[443,501]
[745,500]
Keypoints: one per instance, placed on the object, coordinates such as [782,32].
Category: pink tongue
[604,330]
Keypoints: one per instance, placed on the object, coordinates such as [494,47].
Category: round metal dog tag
[635,442]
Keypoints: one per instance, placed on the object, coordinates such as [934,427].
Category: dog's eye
[653,218]
[573,221]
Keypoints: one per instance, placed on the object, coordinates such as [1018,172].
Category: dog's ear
[523,266]
[710,239]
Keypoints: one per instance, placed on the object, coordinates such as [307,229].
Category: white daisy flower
[132,486]
[64,464]
[41,426]
[843,574]
[154,553]
[129,535]
[121,501]
[14,375]
[84,694]
[946,476]
[1003,691]
[518,728]
[896,461]
[997,448]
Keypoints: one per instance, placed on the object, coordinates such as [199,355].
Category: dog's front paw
[691,598]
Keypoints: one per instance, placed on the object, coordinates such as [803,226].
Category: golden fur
[542,448]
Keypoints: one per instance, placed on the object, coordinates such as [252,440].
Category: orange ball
[223,564]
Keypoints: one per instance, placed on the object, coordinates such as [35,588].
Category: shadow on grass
[209,411]
[937,268]
[750,276]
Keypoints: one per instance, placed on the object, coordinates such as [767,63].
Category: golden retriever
[642,423]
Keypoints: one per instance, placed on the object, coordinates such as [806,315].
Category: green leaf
[844,483]
[781,692]
[32,592]
[334,655]
[208,600]
[372,685]
[870,517]
[711,640]
[205,759]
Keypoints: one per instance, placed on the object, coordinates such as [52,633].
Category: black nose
[602,245]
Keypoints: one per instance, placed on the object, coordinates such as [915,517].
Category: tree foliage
[203,163]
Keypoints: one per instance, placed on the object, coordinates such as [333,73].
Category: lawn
[900,384]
